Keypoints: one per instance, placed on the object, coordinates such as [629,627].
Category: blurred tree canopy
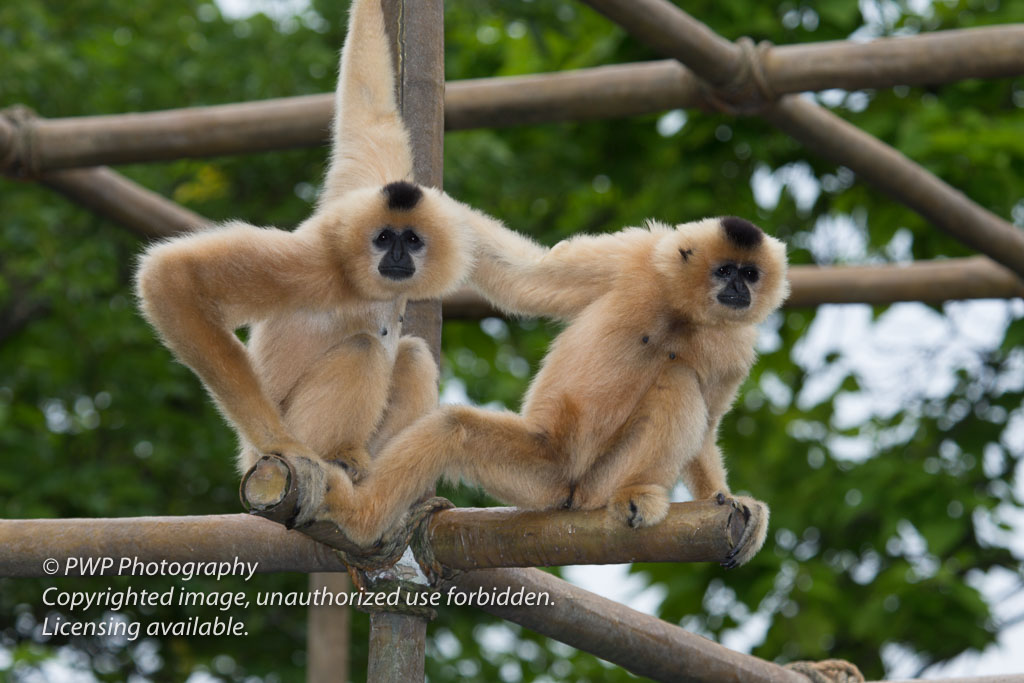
[887,515]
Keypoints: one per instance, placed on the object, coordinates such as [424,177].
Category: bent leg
[499,451]
[339,402]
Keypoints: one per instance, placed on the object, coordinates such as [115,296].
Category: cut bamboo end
[271,489]
[266,484]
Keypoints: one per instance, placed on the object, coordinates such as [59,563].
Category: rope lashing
[17,153]
[828,671]
[412,534]
[749,90]
[387,551]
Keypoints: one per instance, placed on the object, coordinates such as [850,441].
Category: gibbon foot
[640,506]
[755,528]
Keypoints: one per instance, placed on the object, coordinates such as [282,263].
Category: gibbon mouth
[733,301]
[396,272]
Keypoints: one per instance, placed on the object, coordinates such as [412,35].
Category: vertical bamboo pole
[327,632]
[416,29]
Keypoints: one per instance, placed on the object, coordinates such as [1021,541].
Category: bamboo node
[749,91]
[17,151]
[828,671]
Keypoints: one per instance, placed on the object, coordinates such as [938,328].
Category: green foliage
[97,420]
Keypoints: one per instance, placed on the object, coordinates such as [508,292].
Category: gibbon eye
[412,240]
[725,270]
[384,238]
[750,274]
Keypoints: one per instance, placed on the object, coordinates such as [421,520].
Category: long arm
[371,145]
[705,477]
[522,277]
[196,290]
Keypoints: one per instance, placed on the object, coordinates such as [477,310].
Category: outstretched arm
[370,143]
[522,277]
[196,290]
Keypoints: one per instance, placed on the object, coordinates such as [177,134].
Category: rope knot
[748,91]
[411,534]
[17,137]
[828,671]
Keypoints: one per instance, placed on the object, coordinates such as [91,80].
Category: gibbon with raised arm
[326,373]
[662,325]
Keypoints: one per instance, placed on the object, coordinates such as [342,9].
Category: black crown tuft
[741,232]
[402,195]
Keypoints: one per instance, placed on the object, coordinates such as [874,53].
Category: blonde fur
[326,373]
[628,399]
[629,396]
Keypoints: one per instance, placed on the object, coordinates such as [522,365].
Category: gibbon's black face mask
[734,291]
[398,246]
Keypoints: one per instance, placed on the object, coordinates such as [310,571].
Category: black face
[398,246]
[735,280]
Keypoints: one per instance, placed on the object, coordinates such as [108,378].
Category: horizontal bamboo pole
[681,37]
[639,643]
[27,543]
[583,94]
[928,58]
[173,134]
[479,538]
[475,538]
[693,532]
[578,95]
[975,277]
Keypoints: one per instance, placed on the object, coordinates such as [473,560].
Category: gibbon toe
[640,506]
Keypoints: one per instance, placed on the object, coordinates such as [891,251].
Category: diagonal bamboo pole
[641,644]
[127,203]
[601,92]
[897,176]
[676,34]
